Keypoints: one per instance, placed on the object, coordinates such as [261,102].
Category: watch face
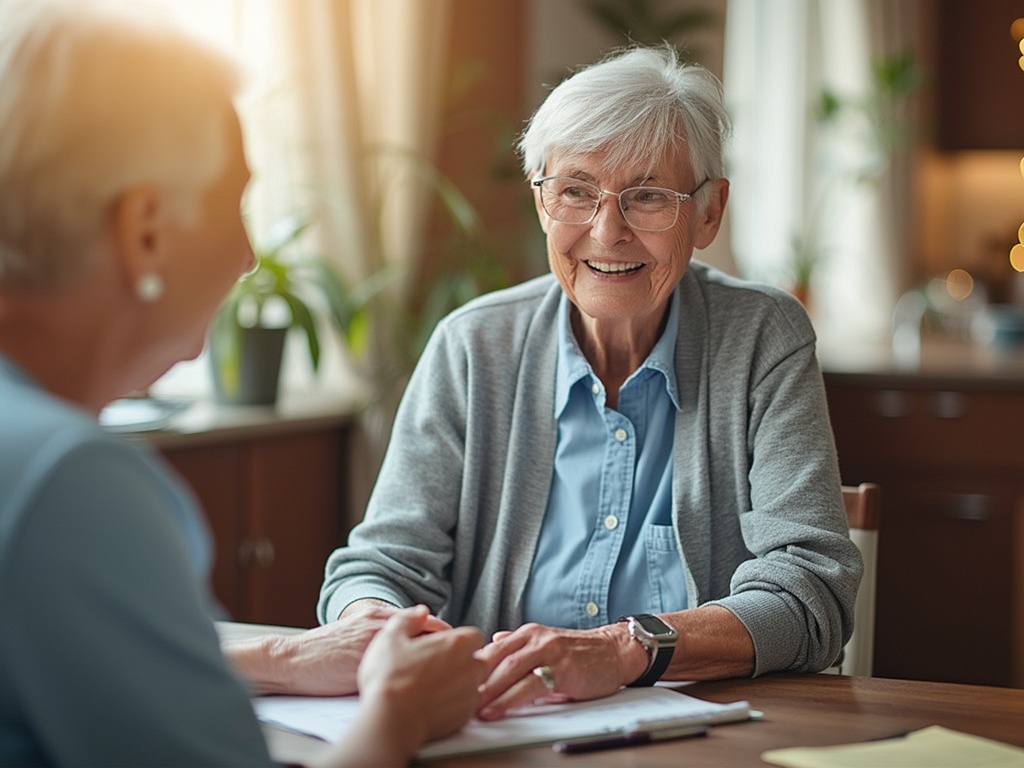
[655,627]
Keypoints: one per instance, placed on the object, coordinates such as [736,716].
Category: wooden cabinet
[949,457]
[980,87]
[275,502]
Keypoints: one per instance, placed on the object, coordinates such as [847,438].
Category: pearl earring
[149,288]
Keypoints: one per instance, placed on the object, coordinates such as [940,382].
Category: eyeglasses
[573,201]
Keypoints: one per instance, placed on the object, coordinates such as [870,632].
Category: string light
[1017,252]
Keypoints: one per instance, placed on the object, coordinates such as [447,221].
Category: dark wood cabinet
[949,457]
[275,503]
[980,87]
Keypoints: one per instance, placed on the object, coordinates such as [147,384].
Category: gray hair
[95,99]
[636,104]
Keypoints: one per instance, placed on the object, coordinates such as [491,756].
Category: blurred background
[875,172]
[876,145]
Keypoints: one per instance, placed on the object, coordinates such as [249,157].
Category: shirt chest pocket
[665,577]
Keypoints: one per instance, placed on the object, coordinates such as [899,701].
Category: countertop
[952,364]
[182,421]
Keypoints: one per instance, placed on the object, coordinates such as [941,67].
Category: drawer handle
[259,552]
[891,404]
[949,405]
[970,506]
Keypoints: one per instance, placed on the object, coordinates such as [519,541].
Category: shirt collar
[573,366]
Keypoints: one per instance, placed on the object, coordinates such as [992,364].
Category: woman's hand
[319,662]
[584,664]
[416,687]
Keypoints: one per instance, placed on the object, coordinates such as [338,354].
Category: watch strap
[659,663]
[659,655]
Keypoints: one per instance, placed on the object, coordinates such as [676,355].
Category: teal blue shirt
[607,544]
[108,655]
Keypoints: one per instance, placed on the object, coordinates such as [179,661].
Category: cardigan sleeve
[795,589]
[402,550]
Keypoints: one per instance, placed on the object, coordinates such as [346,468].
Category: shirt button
[591,609]
[611,522]
[595,388]
[621,434]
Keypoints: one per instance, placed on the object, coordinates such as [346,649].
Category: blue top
[108,655]
[607,545]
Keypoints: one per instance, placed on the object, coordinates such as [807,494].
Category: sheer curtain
[369,84]
[341,112]
[794,181]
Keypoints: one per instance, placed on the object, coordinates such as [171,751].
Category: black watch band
[659,664]
[658,639]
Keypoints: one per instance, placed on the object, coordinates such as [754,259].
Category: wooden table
[799,710]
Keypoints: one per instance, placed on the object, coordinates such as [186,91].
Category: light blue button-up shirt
[607,546]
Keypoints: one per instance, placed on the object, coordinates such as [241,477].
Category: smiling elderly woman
[623,470]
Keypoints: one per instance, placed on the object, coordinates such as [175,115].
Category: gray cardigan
[454,519]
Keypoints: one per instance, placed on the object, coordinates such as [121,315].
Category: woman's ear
[138,238]
[711,216]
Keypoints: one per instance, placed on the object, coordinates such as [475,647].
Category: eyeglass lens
[572,201]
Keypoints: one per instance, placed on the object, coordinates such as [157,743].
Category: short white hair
[95,98]
[636,104]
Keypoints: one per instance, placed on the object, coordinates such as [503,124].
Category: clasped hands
[519,667]
[377,646]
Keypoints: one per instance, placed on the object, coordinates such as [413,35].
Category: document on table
[933,747]
[328,718]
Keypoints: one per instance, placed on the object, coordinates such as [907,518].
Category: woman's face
[610,271]
[210,255]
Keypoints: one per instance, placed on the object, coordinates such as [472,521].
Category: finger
[408,621]
[528,690]
[471,636]
[500,648]
[434,624]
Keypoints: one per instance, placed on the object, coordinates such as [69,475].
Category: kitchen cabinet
[948,453]
[979,85]
[274,494]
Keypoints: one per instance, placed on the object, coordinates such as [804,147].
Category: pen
[630,739]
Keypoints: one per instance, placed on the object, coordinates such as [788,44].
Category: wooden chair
[863,510]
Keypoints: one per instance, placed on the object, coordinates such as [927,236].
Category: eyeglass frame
[681,197]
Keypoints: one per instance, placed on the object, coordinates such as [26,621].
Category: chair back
[863,511]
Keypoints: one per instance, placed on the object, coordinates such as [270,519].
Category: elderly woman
[624,470]
[121,175]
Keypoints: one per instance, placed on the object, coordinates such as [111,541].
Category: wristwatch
[658,639]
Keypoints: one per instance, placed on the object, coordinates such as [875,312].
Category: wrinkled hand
[319,662]
[586,664]
[425,684]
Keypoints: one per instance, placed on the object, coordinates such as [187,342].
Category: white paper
[329,718]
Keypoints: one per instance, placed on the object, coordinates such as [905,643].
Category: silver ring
[546,676]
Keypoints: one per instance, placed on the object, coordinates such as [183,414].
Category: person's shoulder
[713,279]
[506,308]
[44,434]
[731,296]
[522,296]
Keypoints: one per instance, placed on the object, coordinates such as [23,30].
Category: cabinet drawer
[945,579]
[916,427]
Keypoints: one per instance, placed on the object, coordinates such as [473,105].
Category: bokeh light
[1017,257]
[959,284]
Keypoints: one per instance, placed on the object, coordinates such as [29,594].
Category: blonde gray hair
[98,97]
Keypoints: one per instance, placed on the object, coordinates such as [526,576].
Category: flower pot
[248,375]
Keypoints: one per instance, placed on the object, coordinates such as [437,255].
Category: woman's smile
[614,268]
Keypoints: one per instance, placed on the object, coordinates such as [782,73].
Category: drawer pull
[891,404]
[258,552]
[949,405]
[970,506]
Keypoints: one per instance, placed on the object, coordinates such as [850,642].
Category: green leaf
[303,318]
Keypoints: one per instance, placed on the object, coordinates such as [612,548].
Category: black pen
[630,739]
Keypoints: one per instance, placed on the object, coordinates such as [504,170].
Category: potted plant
[285,290]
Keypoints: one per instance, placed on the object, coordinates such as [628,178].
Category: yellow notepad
[933,747]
